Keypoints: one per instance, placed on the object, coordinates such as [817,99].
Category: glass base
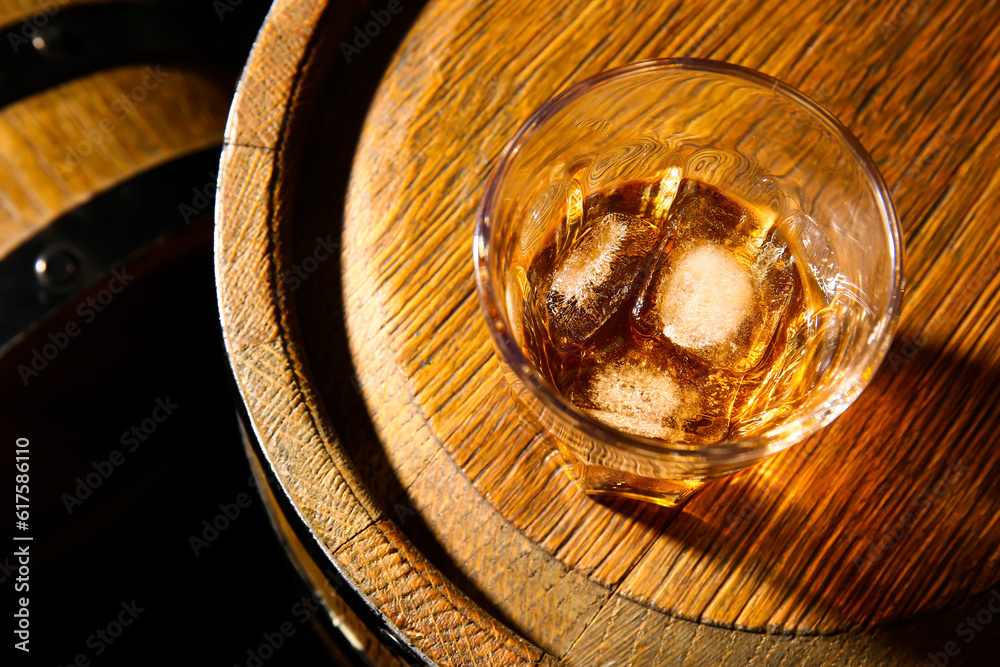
[597,480]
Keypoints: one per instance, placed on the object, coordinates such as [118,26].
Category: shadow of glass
[885,518]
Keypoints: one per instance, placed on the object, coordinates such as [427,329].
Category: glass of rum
[686,266]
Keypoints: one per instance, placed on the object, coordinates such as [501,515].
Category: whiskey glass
[744,133]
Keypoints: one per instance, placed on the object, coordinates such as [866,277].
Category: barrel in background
[111,122]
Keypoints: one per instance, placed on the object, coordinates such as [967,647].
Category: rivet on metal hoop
[58,266]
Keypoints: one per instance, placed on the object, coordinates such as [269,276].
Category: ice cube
[590,263]
[701,211]
[705,298]
[641,399]
[591,282]
[719,282]
[669,185]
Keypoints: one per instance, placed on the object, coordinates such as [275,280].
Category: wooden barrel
[87,133]
[99,145]
[112,117]
[353,327]
[103,143]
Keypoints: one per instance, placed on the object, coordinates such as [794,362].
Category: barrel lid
[369,379]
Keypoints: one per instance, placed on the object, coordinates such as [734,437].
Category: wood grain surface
[60,147]
[870,542]
[257,178]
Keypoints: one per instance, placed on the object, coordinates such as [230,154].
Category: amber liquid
[671,310]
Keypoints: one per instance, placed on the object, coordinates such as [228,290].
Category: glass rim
[732,452]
